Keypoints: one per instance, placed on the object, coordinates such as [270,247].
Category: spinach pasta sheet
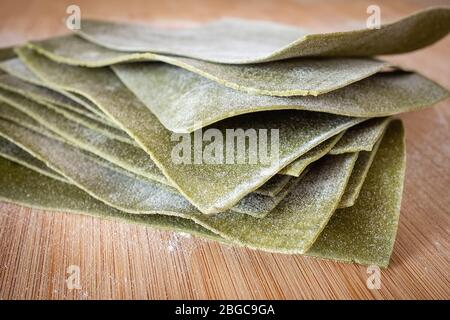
[364,233]
[298,132]
[249,133]
[305,76]
[294,223]
[184,101]
[236,41]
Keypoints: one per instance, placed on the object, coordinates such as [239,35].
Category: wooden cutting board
[40,250]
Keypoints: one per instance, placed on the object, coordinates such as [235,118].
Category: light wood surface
[123,261]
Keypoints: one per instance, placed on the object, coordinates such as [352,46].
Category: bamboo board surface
[123,261]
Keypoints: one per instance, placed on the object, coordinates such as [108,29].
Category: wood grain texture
[126,261]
